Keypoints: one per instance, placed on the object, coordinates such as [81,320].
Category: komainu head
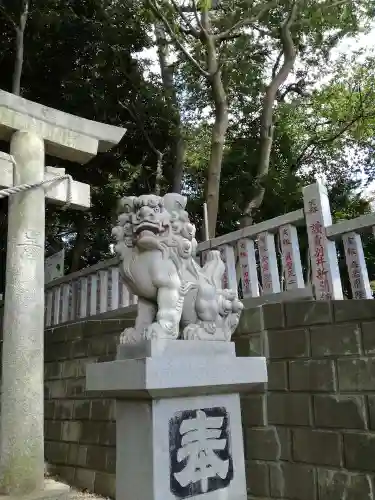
[148,220]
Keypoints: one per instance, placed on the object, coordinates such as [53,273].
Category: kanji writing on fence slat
[248,267]
[324,265]
[268,263]
[291,258]
[357,269]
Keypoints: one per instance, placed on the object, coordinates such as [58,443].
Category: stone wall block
[105,484]
[335,340]
[85,479]
[110,464]
[277,376]
[273,316]
[340,411]
[71,431]
[288,343]
[52,370]
[96,458]
[293,481]
[53,430]
[251,321]
[353,310]
[257,478]
[56,452]
[102,409]
[356,374]
[49,409]
[269,443]
[254,410]
[368,334]
[340,485]
[312,375]
[81,409]
[317,447]
[79,349]
[90,432]
[64,409]
[252,345]
[359,451]
[77,455]
[307,313]
[289,409]
[371,410]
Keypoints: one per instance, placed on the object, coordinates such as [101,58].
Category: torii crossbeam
[33,130]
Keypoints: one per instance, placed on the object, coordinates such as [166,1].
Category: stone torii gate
[33,131]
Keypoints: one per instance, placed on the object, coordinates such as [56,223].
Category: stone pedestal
[179,432]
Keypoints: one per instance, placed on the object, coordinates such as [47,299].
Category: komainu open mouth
[147,226]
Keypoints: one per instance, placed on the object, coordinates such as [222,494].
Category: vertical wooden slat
[103,292]
[93,294]
[291,257]
[49,307]
[83,298]
[230,275]
[268,263]
[357,269]
[114,299]
[65,302]
[248,267]
[56,304]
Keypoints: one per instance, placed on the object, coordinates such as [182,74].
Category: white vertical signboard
[268,263]
[229,278]
[248,267]
[357,269]
[54,266]
[291,257]
[324,265]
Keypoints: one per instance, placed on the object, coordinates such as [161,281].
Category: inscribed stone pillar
[22,452]
[179,432]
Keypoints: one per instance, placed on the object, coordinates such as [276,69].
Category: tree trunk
[19,48]
[79,246]
[219,129]
[167,74]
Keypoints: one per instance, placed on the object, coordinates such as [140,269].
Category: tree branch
[159,155]
[197,18]
[277,64]
[184,18]
[140,124]
[19,42]
[315,142]
[247,21]
[8,17]
[156,10]
[266,121]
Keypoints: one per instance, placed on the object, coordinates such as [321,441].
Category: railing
[263,262]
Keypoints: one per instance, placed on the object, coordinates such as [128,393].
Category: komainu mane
[177,298]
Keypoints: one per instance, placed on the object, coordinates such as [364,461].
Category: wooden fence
[263,262]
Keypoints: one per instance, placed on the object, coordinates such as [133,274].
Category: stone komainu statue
[177,298]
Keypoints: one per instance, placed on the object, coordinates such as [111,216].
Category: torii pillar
[33,131]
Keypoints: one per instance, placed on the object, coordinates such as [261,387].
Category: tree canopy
[241,104]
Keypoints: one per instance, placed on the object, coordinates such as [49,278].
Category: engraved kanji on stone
[200,457]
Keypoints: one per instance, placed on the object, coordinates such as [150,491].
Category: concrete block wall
[310,433]
[80,429]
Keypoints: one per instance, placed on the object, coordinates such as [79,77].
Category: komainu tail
[214,269]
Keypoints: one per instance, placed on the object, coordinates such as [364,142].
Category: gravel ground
[76,495]
[73,493]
